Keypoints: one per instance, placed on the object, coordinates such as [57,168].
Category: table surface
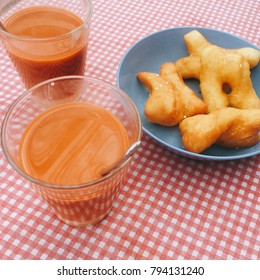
[169,207]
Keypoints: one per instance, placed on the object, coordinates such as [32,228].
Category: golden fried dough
[201,131]
[252,56]
[229,127]
[196,43]
[162,106]
[170,100]
[190,104]
[189,67]
[244,130]
[228,115]
[231,69]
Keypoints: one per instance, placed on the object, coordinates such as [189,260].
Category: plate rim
[177,150]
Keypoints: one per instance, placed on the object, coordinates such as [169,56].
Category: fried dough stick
[190,103]
[243,132]
[231,69]
[229,127]
[190,67]
[162,105]
[170,100]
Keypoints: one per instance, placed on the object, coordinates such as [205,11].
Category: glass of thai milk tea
[62,134]
[46,38]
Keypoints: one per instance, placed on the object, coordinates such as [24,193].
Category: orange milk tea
[42,60]
[70,144]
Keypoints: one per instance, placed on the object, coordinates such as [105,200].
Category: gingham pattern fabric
[169,207]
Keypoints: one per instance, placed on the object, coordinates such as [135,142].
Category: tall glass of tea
[46,38]
[62,145]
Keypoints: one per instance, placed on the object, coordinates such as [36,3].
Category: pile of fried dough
[228,112]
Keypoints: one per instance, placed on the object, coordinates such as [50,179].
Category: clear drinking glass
[82,204]
[51,43]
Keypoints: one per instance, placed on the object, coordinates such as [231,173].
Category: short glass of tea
[46,38]
[62,133]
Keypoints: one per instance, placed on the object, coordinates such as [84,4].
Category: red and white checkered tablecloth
[170,207]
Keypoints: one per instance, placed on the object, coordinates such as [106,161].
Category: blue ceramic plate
[168,45]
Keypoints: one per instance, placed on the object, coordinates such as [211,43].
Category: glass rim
[47,39]
[69,186]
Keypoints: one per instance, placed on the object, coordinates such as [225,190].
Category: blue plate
[149,54]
